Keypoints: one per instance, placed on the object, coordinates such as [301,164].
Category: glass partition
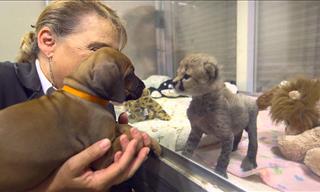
[162,33]
[207,27]
[287,41]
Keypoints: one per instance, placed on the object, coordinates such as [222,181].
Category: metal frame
[173,172]
[246,45]
[164,38]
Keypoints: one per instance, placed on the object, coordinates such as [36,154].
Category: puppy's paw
[248,164]
[221,172]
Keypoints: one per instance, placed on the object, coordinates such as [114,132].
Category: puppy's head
[197,74]
[108,74]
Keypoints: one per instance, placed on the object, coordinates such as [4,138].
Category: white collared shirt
[45,83]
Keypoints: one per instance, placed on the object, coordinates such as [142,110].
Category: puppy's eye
[130,77]
[186,76]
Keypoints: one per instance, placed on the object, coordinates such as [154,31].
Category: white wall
[15,20]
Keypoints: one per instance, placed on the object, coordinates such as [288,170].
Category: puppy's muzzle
[134,89]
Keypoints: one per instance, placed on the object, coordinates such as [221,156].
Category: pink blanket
[275,171]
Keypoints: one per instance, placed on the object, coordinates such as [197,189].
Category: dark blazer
[20,82]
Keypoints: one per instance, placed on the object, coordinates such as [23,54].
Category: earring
[51,73]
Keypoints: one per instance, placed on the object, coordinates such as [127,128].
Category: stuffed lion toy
[297,104]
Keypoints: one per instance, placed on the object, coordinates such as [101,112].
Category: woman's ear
[46,41]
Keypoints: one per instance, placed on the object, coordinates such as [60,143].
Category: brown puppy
[37,136]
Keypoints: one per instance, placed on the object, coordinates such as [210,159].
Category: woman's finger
[146,139]
[136,134]
[124,141]
[141,157]
[117,156]
[79,162]
[119,167]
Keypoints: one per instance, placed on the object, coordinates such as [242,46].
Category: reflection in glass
[141,26]
[287,41]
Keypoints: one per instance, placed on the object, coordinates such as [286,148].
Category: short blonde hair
[62,17]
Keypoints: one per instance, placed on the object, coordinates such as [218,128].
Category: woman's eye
[94,49]
[186,76]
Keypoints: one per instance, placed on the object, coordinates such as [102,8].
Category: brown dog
[37,136]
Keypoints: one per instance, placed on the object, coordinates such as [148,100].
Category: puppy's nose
[142,85]
[140,89]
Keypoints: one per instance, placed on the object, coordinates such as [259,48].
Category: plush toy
[264,100]
[231,85]
[165,89]
[297,104]
[145,108]
[303,147]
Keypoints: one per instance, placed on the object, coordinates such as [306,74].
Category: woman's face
[92,33]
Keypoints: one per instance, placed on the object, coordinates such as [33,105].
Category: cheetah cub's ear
[211,67]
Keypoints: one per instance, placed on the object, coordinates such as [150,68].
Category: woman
[66,33]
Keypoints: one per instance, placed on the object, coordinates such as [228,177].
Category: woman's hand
[75,174]
[142,137]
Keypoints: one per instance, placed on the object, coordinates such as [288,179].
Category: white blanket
[172,134]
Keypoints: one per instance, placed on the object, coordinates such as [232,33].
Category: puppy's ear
[107,80]
[100,74]
[211,69]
